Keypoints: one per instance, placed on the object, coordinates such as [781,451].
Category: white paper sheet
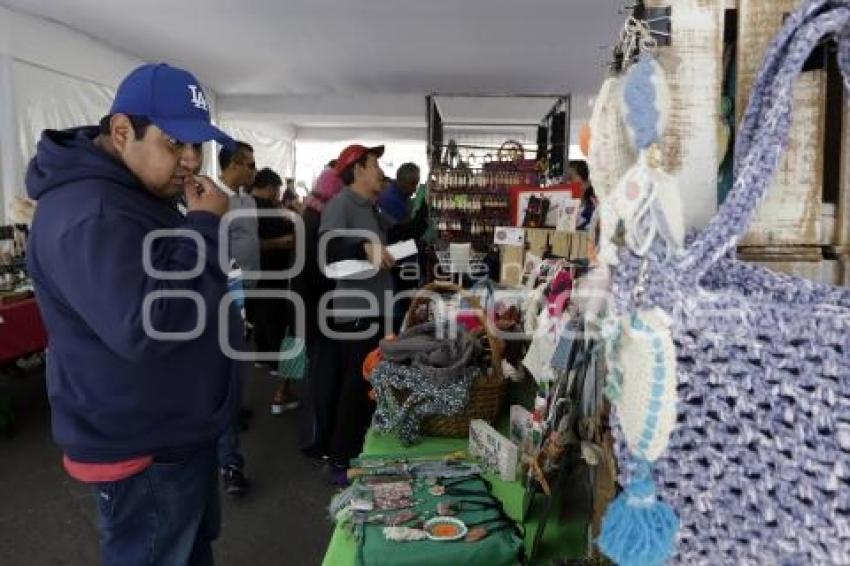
[401,250]
[347,268]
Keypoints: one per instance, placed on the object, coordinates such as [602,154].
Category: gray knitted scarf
[437,355]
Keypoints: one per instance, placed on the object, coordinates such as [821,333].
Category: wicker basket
[487,393]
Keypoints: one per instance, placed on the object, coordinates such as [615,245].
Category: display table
[559,540]
[22,332]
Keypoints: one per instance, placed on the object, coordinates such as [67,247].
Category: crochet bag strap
[763,136]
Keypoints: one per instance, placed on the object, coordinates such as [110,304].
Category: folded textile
[438,351]
[406,396]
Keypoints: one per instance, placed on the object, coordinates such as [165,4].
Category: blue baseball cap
[172,99]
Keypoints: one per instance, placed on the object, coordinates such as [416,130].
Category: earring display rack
[471,175]
[467,205]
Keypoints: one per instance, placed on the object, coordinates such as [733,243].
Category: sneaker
[278,408]
[235,483]
[282,403]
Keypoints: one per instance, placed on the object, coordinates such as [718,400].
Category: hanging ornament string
[635,39]
[644,208]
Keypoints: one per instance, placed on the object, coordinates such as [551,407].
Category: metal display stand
[474,162]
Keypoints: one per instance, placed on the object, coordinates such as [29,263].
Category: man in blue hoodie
[130,291]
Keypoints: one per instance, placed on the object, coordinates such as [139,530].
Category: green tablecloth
[559,540]
[500,548]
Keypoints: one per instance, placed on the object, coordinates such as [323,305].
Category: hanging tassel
[638,528]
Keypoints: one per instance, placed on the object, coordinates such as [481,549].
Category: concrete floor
[47,518]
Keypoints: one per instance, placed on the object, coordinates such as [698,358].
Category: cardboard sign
[494,451]
[509,236]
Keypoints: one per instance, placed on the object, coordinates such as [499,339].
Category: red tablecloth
[21,330]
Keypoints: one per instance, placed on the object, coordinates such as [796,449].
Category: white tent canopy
[299,70]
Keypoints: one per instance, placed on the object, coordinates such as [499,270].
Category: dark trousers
[354,410]
[167,514]
[271,319]
[324,378]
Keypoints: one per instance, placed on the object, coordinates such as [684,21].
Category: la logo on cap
[198,99]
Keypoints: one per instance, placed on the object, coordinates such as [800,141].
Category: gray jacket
[350,211]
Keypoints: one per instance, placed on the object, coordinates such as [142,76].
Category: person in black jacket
[273,317]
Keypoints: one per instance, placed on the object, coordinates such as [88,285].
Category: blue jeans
[166,515]
[229,453]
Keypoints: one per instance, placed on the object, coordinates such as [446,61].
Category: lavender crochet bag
[758,467]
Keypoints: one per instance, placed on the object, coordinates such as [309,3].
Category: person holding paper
[362,305]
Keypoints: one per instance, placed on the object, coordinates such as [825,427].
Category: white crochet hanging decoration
[645,203]
[642,382]
[610,153]
[645,207]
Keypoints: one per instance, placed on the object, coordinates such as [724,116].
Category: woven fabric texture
[758,467]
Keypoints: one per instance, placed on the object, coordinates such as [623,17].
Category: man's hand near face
[202,194]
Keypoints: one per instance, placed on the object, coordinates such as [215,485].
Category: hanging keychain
[638,528]
[645,202]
